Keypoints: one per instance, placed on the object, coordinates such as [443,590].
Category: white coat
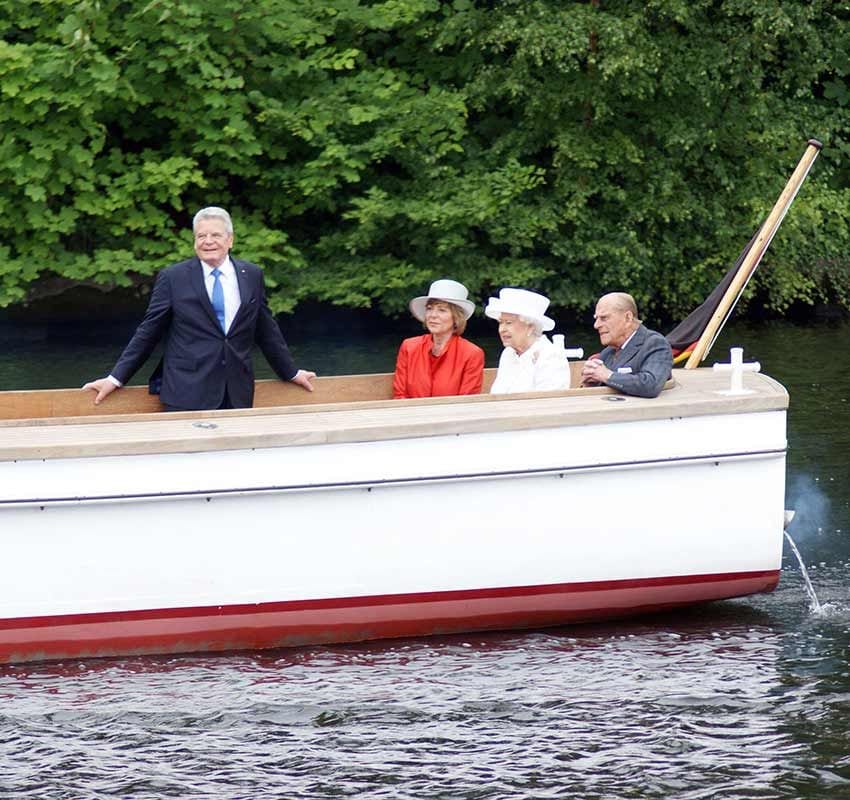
[542,367]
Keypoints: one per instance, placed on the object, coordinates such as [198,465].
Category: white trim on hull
[176,551]
[607,446]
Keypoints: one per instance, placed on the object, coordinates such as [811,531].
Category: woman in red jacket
[441,362]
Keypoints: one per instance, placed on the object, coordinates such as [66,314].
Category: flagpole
[751,260]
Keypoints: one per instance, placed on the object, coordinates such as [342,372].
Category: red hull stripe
[348,619]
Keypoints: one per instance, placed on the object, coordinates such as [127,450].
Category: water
[738,700]
[742,699]
[807,582]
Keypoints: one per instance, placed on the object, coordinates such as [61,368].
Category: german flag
[684,337]
[694,336]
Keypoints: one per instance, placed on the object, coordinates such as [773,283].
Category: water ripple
[739,699]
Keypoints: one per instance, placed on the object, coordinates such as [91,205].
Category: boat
[343,515]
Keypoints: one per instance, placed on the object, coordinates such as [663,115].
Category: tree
[366,148]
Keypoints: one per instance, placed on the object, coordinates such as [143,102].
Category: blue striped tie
[218,297]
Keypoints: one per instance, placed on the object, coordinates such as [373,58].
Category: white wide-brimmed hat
[530,305]
[449,292]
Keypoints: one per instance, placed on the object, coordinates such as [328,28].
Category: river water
[740,699]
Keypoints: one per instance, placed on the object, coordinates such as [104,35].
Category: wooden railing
[55,403]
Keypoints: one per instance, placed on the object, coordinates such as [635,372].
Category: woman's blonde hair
[457,314]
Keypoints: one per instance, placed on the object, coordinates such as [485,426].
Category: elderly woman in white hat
[440,362]
[529,362]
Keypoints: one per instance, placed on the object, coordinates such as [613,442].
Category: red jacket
[459,369]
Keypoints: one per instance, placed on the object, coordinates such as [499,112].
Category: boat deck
[691,393]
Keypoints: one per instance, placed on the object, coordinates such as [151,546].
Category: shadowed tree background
[367,148]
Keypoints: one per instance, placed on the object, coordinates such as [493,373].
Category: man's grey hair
[623,302]
[213,212]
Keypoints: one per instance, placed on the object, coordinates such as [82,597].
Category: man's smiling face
[212,241]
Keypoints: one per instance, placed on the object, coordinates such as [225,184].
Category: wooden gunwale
[273,397]
[695,393]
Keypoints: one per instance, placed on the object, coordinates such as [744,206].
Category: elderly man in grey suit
[636,360]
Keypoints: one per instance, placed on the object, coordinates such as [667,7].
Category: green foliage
[367,147]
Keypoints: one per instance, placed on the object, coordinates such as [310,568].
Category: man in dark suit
[635,360]
[209,312]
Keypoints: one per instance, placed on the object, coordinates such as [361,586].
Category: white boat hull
[396,536]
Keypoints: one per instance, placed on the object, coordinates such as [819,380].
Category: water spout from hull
[810,590]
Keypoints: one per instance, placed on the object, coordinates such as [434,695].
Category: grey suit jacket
[642,367]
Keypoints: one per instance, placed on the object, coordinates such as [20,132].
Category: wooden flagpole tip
[815,143]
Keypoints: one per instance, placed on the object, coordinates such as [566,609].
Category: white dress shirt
[229,285]
[543,367]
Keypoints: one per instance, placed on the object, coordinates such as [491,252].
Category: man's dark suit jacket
[646,361]
[199,360]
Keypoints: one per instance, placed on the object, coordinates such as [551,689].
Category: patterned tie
[218,297]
